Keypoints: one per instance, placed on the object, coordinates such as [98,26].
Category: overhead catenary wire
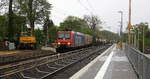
[91,6]
[66,12]
[55,16]
[60,12]
[86,8]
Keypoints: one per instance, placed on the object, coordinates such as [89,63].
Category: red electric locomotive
[64,38]
[67,40]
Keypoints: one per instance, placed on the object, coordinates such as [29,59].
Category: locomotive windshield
[64,36]
[67,36]
[25,34]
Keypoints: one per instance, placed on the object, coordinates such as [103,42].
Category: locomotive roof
[79,33]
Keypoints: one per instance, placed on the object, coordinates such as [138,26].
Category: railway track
[46,67]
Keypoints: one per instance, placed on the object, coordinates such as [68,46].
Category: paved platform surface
[112,64]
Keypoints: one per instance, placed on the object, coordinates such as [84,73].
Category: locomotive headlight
[58,43]
[69,43]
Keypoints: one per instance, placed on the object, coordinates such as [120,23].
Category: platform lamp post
[121,23]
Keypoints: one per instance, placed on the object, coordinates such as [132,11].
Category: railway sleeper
[51,67]
[54,65]
[60,64]
[45,68]
[64,61]
[32,73]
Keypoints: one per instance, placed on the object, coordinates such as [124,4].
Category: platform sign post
[129,25]
[129,33]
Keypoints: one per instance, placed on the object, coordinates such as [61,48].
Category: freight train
[68,40]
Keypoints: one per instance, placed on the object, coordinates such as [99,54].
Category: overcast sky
[107,10]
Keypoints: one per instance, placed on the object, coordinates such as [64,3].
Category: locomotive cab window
[60,36]
[67,36]
[64,36]
[25,34]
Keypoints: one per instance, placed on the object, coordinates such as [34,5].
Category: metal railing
[139,61]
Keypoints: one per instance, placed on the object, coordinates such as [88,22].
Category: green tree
[143,28]
[93,22]
[18,24]
[3,28]
[39,37]
[107,34]
[35,11]
[73,23]
[47,24]
[53,34]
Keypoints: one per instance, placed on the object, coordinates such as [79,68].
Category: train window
[66,36]
[25,34]
[60,36]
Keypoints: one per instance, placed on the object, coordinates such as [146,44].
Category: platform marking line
[104,67]
[85,69]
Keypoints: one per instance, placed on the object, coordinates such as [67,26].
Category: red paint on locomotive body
[71,39]
[65,38]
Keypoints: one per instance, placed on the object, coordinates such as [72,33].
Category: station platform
[111,64]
